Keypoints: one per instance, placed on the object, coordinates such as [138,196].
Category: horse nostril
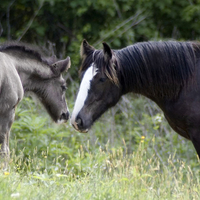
[64,116]
[79,122]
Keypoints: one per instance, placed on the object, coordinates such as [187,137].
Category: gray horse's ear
[52,59]
[85,49]
[61,66]
[107,52]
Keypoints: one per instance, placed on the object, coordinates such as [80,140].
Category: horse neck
[127,73]
[134,78]
[27,68]
[156,69]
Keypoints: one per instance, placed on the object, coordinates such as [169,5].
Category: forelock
[110,69]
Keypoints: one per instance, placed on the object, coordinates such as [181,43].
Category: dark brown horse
[24,69]
[166,72]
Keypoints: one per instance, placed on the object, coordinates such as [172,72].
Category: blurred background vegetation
[58,27]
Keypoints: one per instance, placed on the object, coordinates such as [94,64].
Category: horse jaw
[82,95]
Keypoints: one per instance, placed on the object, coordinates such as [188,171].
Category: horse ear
[52,59]
[85,49]
[107,52]
[61,66]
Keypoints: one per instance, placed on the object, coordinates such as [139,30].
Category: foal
[24,69]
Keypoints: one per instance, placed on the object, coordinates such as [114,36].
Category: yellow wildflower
[6,173]
[143,137]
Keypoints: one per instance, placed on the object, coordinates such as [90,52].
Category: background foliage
[59,26]
[135,125]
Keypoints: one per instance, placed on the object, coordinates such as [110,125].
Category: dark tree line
[59,26]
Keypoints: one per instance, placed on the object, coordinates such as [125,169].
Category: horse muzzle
[79,126]
[63,118]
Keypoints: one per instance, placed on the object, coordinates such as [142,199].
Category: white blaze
[83,92]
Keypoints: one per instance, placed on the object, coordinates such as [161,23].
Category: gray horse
[24,69]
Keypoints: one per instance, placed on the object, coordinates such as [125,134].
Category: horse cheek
[113,96]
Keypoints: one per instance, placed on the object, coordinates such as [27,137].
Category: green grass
[130,153]
[109,175]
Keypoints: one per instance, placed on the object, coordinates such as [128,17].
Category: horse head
[100,86]
[50,88]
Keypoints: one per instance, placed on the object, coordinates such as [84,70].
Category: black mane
[156,68]
[22,48]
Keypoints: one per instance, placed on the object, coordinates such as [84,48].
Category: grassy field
[107,175]
[130,153]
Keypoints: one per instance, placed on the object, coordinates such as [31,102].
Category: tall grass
[107,175]
[130,153]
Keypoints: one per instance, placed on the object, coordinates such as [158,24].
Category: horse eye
[102,80]
[55,66]
[63,87]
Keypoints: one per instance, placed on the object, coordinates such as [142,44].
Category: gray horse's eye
[64,87]
[55,66]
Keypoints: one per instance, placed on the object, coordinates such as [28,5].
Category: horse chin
[80,130]
[84,131]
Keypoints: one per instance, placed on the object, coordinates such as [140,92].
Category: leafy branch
[132,18]
[31,21]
